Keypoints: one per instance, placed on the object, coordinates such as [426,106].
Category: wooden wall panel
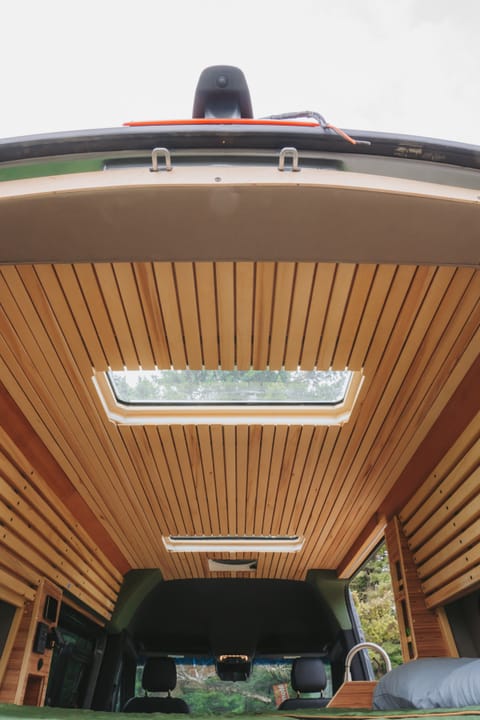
[442,522]
[40,538]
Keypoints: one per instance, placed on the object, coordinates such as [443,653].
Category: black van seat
[308,676]
[159,675]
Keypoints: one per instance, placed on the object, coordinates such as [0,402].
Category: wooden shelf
[354,694]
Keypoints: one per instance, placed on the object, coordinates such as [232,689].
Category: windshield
[199,685]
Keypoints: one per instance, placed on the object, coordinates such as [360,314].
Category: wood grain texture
[412,330]
[421,632]
[354,694]
[442,521]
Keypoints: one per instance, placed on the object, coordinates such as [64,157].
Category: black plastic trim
[178,137]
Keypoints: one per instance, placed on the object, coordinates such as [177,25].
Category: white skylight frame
[234,543]
[222,414]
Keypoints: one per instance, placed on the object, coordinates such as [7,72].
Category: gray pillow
[413,685]
[460,689]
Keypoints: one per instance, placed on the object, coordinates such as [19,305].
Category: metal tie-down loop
[163,153]
[291,153]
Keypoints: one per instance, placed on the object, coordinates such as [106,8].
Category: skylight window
[229,387]
[228,396]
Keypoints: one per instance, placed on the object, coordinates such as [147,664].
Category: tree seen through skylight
[230,386]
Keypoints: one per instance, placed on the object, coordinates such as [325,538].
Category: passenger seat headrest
[308,675]
[159,674]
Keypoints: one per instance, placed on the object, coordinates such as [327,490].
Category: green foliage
[199,685]
[373,596]
[205,693]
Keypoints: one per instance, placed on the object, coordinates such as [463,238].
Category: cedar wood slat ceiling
[413,331]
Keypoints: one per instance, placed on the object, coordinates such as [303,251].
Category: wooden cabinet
[40,619]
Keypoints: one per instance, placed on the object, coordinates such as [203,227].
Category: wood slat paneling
[284,279]
[360,434]
[302,291]
[443,528]
[39,539]
[353,316]
[411,329]
[244,294]
[98,315]
[418,382]
[263,307]
[149,301]
[225,286]
[53,382]
[322,289]
[134,316]
[167,292]
[187,300]
[430,495]
[341,290]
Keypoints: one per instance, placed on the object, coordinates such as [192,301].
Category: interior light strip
[233,543]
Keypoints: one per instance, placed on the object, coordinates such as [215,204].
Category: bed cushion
[419,683]
[460,689]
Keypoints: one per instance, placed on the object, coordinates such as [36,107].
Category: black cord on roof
[321,121]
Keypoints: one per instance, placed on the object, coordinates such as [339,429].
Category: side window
[72,660]
[10,616]
[464,617]
[372,594]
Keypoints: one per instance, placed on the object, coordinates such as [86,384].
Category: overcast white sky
[406,66]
